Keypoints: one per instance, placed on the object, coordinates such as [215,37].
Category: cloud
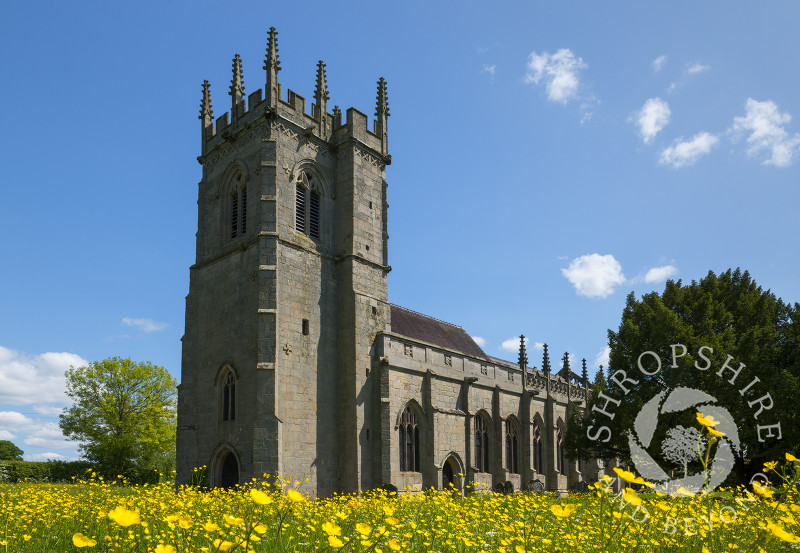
[538,345]
[602,357]
[653,117]
[594,275]
[37,433]
[560,73]
[480,341]
[512,344]
[660,274]
[48,410]
[489,69]
[764,123]
[6,435]
[684,153]
[50,456]
[697,68]
[659,62]
[34,378]
[147,325]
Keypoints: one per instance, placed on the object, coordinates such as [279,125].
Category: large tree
[736,322]
[123,414]
[10,452]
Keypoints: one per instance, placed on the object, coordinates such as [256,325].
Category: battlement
[325,125]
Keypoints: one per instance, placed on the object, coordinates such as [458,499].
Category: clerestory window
[307,206]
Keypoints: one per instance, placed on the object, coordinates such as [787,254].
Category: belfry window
[409,442]
[512,447]
[238,208]
[307,206]
[229,398]
[481,444]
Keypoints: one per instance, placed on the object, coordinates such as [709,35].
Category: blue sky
[548,159]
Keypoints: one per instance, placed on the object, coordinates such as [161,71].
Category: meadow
[97,515]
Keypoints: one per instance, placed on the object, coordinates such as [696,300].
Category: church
[295,363]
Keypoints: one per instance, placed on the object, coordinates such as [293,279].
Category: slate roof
[427,329]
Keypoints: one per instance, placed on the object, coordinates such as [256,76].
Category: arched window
[307,206]
[481,444]
[229,398]
[238,207]
[512,446]
[538,448]
[561,465]
[409,442]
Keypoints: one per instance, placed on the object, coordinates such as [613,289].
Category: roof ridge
[426,316]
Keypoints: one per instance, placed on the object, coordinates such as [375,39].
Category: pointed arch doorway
[451,477]
[228,470]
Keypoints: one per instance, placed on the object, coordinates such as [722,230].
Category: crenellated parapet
[314,122]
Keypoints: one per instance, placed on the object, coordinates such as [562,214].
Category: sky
[548,159]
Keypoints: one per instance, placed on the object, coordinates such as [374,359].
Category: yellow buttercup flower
[565,511]
[161,548]
[211,526]
[363,529]
[715,432]
[781,534]
[331,529]
[708,421]
[632,478]
[124,517]
[769,466]
[763,490]
[630,496]
[233,521]
[223,545]
[333,541]
[185,522]
[393,545]
[295,496]
[791,458]
[260,497]
[261,528]
[79,540]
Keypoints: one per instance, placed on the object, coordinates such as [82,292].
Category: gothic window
[229,398]
[481,444]
[307,206]
[512,446]
[237,216]
[538,449]
[561,465]
[409,442]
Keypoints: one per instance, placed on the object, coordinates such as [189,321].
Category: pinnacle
[205,105]
[272,61]
[382,108]
[321,90]
[237,82]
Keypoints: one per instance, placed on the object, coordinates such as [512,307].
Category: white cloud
[480,341]
[512,344]
[48,410]
[660,274]
[687,152]
[560,72]
[602,357]
[6,435]
[50,456]
[697,68]
[764,123]
[34,378]
[37,433]
[489,69]
[594,275]
[659,62]
[653,117]
[538,345]
[147,325]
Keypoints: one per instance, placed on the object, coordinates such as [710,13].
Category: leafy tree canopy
[123,414]
[736,322]
[10,452]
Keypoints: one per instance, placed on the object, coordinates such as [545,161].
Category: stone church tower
[288,289]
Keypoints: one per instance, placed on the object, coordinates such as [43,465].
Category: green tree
[10,452]
[731,315]
[124,416]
